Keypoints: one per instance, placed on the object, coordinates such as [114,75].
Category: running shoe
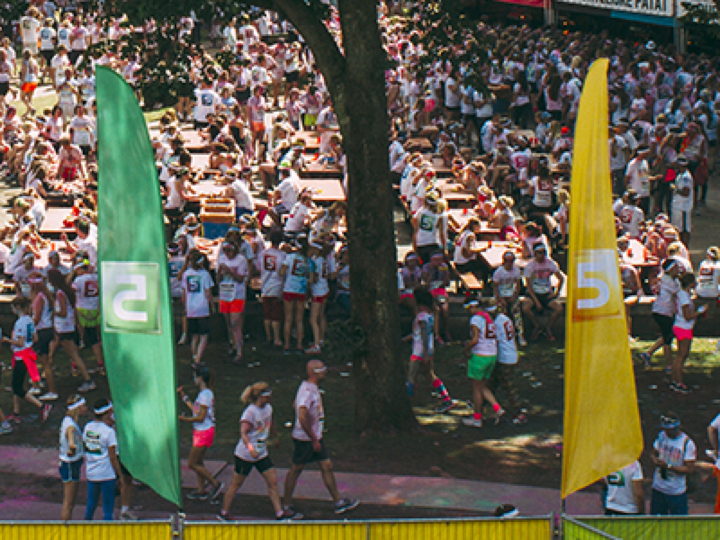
[222,515]
[183,340]
[215,493]
[87,386]
[289,512]
[315,349]
[680,388]
[197,495]
[35,391]
[520,420]
[127,515]
[345,505]
[499,415]
[472,422]
[446,406]
[5,428]
[45,412]
[49,396]
[646,359]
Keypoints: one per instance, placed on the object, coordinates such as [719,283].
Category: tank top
[67,323]
[46,317]
[458,256]
[65,443]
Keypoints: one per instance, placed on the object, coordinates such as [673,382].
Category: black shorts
[304,453]
[544,300]
[244,468]
[4,88]
[44,338]
[69,336]
[90,336]
[199,326]
[48,56]
[666,327]
[292,76]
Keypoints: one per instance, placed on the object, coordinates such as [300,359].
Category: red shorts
[236,306]
[319,299]
[403,296]
[682,333]
[272,308]
[68,173]
[415,358]
[257,126]
[439,292]
[204,438]
[28,87]
[291,297]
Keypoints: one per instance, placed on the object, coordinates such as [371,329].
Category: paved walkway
[377,489]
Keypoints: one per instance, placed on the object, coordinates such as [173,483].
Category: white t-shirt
[466,239]
[271,281]
[620,493]
[98,438]
[241,193]
[542,194]
[319,265]
[228,288]
[206,398]
[506,280]
[683,299]
[63,36]
[665,300]
[716,424]
[708,279]
[674,452]
[29,27]
[24,328]
[618,161]
[418,345]
[260,421]
[195,283]
[296,277]
[67,323]
[308,396]
[207,103]
[65,442]
[539,275]
[87,291]
[507,347]
[683,202]
[289,190]
[429,227]
[47,34]
[487,344]
[298,215]
[639,173]
[631,218]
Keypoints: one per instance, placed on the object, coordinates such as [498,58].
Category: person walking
[103,467]
[71,453]
[203,421]
[308,443]
[256,425]
[674,455]
[625,495]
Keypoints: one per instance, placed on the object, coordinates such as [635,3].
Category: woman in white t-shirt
[685,317]
[71,453]
[709,275]
[232,274]
[295,270]
[203,421]
[256,425]
[319,288]
[197,298]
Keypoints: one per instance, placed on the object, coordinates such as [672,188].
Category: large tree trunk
[356,81]
[380,400]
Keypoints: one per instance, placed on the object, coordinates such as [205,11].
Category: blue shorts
[70,472]
[662,504]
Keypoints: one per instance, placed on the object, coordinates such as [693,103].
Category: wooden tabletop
[311,139]
[422,142]
[462,215]
[325,190]
[52,225]
[314,169]
[206,188]
[493,255]
[453,192]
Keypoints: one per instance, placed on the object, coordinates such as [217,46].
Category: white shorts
[681,220]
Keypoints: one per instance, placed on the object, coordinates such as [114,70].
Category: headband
[266,392]
[103,410]
[77,405]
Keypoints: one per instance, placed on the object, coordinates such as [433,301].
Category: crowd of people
[506,147]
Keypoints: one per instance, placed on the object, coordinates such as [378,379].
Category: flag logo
[131,297]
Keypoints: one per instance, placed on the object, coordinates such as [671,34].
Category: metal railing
[695,527]
[576,530]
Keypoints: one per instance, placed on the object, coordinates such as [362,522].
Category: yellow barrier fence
[575,530]
[455,529]
[657,527]
[88,530]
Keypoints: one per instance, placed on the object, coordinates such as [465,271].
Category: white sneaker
[182,340]
[50,396]
[35,391]
[471,422]
[128,516]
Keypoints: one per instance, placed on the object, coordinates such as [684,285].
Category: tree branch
[329,57]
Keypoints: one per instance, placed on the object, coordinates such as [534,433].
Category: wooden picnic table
[194,143]
[454,193]
[493,255]
[52,225]
[315,169]
[311,140]
[460,216]
[206,188]
[422,142]
[325,190]
[638,256]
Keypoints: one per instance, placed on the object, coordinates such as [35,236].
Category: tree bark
[356,82]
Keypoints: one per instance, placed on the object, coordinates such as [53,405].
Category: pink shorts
[291,297]
[204,438]
[319,299]
[439,292]
[415,358]
[406,295]
[682,333]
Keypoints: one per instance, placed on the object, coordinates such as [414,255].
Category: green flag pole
[137,323]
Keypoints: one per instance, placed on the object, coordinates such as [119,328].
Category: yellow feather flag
[602,423]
